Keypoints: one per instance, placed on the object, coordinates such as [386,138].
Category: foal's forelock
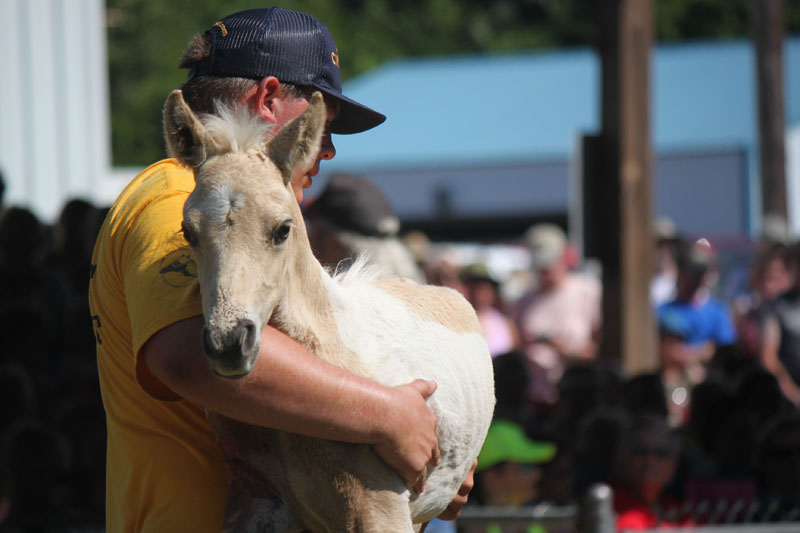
[235,129]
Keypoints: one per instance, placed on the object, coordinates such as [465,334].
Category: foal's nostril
[210,342]
[249,337]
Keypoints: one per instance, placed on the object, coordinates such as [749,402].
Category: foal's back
[403,331]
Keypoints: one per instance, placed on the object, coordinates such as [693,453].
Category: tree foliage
[145,39]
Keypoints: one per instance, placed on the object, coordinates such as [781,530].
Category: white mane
[362,270]
[235,128]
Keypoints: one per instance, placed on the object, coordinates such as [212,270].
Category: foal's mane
[235,128]
[361,270]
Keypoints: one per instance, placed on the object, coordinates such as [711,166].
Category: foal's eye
[280,235]
[190,237]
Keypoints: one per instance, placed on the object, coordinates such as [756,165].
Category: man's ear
[186,136]
[261,101]
[297,144]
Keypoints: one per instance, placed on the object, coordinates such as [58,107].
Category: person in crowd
[18,395]
[353,217]
[595,445]
[419,244]
[578,392]
[777,467]
[34,298]
[74,234]
[557,481]
[2,192]
[482,290]
[662,286]
[770,276]
[165,471]
[707,320]
[780,342]
[644,395]
[41,460]
[444,269]
[5,488]
[509,466]
[558,320]
[644,464]
[678,371]
[511,383]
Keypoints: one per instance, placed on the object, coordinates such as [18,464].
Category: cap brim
[353,117]
[506,441]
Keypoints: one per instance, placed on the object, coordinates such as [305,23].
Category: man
[779,348]
[165,471]
[645,462]
[353,217]
[708,321]
[559,320]
[509,466]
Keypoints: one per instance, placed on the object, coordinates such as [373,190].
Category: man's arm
[291,389]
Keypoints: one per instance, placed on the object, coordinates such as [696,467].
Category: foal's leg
[340,487]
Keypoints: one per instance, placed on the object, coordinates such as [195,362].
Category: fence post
[597,511]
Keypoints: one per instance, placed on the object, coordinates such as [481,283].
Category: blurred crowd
[52,426]
[711,434]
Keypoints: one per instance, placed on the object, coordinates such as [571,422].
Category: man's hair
[205,93]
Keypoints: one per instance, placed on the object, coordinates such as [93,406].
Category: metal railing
[596,515]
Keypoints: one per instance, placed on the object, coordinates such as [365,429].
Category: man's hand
[453,510]
[410,442]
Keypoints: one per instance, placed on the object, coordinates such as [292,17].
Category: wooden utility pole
[766,22]
[620,197]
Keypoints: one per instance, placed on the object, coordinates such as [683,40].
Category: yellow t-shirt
[164,469]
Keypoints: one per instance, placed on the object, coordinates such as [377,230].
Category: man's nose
[327,151]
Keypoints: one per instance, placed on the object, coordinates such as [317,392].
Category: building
[489,144]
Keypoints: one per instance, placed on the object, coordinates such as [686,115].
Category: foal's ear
[296,145]
[186,136]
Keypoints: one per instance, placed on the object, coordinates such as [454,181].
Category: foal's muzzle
[231,354]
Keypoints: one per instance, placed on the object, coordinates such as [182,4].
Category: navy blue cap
[290,45]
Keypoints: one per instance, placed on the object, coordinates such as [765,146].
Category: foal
[255,266]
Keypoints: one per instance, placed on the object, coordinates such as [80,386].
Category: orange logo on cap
[222,27]
[335,57]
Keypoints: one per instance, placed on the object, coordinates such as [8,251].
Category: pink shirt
[569,315]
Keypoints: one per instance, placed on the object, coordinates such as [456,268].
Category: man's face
[689,281]
[551,276]
[289,107]
[511,484]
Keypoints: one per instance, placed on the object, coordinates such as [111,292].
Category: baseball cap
[697,257]
[547,244]
[290,45]
[355,204]
[506,441]
[477,272]
[665,229]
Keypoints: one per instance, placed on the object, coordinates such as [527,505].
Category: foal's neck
[305,311]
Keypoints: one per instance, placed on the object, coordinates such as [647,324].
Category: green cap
[507,441]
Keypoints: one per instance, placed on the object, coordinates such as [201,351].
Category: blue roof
[528,106]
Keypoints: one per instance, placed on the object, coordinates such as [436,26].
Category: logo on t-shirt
[178,269]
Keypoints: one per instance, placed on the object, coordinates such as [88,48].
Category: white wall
[55,126]
[793,179]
